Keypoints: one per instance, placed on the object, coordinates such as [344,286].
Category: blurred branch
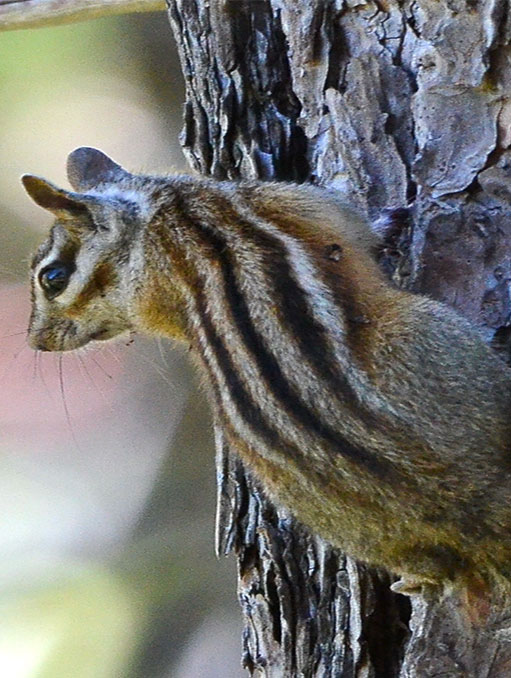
[17,14]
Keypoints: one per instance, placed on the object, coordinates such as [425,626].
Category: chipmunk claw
[409,586]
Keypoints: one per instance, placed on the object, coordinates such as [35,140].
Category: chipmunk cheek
[96,289]
[106,333]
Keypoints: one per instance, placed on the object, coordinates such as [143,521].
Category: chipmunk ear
[48,196]
[88,167]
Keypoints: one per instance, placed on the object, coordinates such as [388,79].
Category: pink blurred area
[82,435]
[45,386]
[106,465]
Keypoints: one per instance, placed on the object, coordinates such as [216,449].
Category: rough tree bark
[394,103]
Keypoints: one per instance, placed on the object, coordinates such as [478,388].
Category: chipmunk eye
[54,279]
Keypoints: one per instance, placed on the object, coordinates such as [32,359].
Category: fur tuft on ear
[48,196]
[88,167]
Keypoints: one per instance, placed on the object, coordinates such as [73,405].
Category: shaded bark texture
[396,104]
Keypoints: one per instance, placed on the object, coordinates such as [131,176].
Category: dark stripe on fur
[249,411]
[311,336]
[268,365]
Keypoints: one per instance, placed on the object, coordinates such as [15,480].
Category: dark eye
[54,278]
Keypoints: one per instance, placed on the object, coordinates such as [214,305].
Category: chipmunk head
[80,273]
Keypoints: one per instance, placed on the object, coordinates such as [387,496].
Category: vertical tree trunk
[393,103]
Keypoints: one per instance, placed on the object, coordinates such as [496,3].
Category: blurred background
[107,495]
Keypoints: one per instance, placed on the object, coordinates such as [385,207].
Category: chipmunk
[379,418]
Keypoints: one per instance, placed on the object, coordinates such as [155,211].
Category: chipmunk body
[378,417]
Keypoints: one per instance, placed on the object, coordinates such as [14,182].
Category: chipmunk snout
[38,346]
[37,343]
[41,341]
[60,335]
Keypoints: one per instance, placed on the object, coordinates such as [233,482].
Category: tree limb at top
[17,14]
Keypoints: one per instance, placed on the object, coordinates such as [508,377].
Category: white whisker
[94,384]
[64,402]
[161,351]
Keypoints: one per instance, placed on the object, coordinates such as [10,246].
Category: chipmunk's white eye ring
[54,279]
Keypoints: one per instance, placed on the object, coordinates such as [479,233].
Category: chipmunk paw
[411,586]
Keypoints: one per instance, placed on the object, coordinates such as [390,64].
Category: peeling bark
[395,104]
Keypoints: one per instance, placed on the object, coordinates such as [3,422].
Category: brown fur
[104,278]
[379,418]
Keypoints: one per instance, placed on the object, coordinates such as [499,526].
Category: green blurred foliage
[114,83]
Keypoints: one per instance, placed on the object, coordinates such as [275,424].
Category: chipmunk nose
[39,346]
[37,342]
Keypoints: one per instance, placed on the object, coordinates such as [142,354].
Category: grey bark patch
[394,104]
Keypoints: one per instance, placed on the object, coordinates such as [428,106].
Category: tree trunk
[393,103]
